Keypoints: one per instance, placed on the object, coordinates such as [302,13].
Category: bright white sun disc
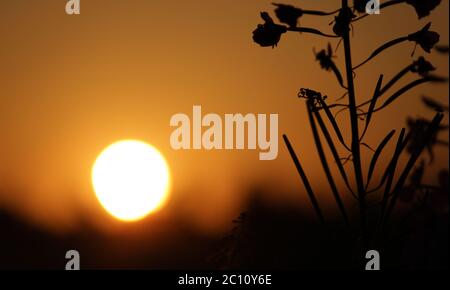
[131,179]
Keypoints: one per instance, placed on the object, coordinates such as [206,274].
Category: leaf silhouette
[407,88]
[423,7]
[431,131]
[373,102]
[388,176]
[333,123]
[377,154]
[305,180]
[323,160]
[334,151]
[434,105]
[381,49]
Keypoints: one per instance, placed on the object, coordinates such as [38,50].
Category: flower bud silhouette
[269,33]
[422,66]
[423,7]
[425,38]
[288,14]
[341,25]
[418,128]
[360,5]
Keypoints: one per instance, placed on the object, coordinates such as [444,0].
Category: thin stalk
[373,102]
[311,30]
[389,84]
[382,48]
[376,155]
[332,120]
[323,160]
[354,129]
[333,149]
[319,13]
[391,163]
[390,172]
[305,180]
[403,90]
[431,130]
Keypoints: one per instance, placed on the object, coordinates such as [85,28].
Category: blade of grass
[381,48]
[389,84]
[407,88]
[305,180]
[333,122]
[334,151]
[375,156]
[338,75]
[390,171]
[373,102]
[431,130]
[391,163]
[434,105]
[323,160]
[367,146]
[319,13]
[310,30]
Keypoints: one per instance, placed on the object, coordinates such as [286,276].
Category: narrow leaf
[311,30]
[338,75]
[305,180]
[434,105]
[431,130]
[377,154]
[334,151]
[406,88]
[390,172]
[323,160]
[373,102]
[333,123]
[381,48]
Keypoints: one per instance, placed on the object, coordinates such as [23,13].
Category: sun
[131,179]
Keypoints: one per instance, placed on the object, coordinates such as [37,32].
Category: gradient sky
[71,85]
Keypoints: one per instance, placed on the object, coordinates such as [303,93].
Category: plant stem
[401,143]
[310,30]
[323,160]
[354,128]
[333,148]
[428,135]
[305,180]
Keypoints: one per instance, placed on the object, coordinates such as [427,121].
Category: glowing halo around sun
[131,179]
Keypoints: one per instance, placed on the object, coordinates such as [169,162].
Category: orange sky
[71,85]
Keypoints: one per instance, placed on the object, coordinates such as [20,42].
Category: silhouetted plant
[422,134]
[425,196]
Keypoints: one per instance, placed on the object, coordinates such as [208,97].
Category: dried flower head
[425,38]
[360,5]
[418,128]
[288,14]
[342,21]
[324,57]
[423,7]
[313,96]
[422,66]
[269,33]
